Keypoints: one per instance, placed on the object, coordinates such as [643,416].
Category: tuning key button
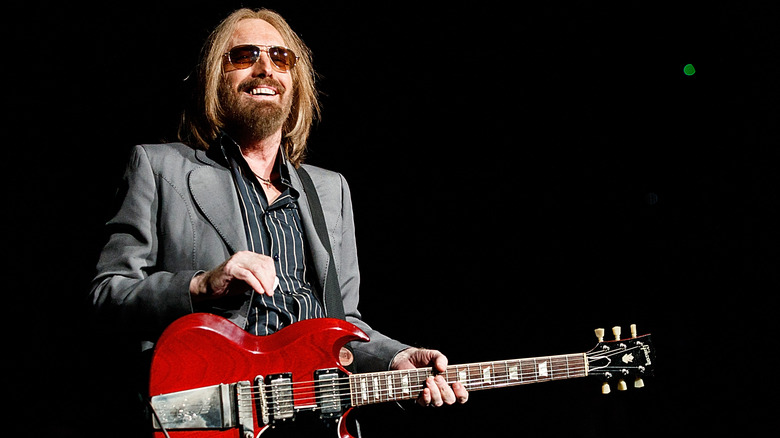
[633,330]
[639,383]
[599,334]
[605,388]
[616,331]
[622,385]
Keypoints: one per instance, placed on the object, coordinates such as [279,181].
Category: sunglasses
[246,55]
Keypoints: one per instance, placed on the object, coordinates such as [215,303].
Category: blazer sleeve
[128,290]
[380,350]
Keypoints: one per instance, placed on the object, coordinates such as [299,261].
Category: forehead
[256,31]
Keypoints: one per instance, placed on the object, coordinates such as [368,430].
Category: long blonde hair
[204,117]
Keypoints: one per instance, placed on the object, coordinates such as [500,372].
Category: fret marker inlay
[543,369]
[486,375]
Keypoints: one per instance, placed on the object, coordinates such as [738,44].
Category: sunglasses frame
[263,48]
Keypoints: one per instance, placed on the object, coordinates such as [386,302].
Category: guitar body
[202,350]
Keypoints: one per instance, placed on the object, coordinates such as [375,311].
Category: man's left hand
[437,391]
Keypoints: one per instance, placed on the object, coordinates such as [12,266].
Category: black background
[520,174]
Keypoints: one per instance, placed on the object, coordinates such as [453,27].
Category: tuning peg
[605,388]
[616,331]
[599,334]
[622,385]
[639,383]
[633,330]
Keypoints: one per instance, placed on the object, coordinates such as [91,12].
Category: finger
[425,398]
[257,270]
[460,392]
[269,284]
[436,398]
[447,395]
[261,276]
[264,270]
[249,278]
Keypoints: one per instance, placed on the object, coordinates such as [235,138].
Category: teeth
[262,91]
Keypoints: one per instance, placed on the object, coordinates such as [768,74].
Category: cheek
[234,78]
[288,85]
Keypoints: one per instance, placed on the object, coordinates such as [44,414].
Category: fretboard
[368,388]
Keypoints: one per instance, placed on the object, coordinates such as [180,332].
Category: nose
[263,67]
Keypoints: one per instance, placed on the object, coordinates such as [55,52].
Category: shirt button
[276,257]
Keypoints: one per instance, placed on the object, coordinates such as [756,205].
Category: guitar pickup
[277,403]
[329,392]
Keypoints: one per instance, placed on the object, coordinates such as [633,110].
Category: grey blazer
[179,215]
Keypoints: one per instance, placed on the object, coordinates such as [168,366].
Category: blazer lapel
[212,189]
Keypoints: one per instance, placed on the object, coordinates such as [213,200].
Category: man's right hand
[244,270]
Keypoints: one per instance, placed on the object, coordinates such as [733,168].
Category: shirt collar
[230,148]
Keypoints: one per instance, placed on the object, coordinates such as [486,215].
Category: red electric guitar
[211,379]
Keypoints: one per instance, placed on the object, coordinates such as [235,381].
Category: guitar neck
[370,388]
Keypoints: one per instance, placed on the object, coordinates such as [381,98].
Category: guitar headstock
[621,359]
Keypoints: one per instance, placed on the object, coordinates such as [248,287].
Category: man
[222,224]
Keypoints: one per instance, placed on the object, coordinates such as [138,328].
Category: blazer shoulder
[167,151]
[319,172]
[166,158]
[322,176]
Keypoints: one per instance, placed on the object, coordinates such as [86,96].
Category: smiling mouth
[262,91]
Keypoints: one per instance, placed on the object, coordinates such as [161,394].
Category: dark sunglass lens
[283,58]
[244,56]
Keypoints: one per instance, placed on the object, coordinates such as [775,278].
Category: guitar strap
[331,295]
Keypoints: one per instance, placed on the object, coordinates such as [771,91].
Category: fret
[471,376]
[529,370]
[513,372]
[463,377]
[486,375]
[500,368]
[560,370]
[390,387]
[376,384]
[352,391]
[543,369]
[364,389]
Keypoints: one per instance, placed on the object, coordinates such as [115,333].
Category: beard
[252,120]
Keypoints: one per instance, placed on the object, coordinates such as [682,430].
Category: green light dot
[689,70]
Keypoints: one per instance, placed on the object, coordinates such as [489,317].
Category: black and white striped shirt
[274,230]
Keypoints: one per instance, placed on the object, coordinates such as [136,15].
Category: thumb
[440,362]
[433,358]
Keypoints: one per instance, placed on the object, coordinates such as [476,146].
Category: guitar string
[342,382]
[377,393]
[382,378]
[300,394]
[426,372]
[451,369]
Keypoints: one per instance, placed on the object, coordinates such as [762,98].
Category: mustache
[251,83]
